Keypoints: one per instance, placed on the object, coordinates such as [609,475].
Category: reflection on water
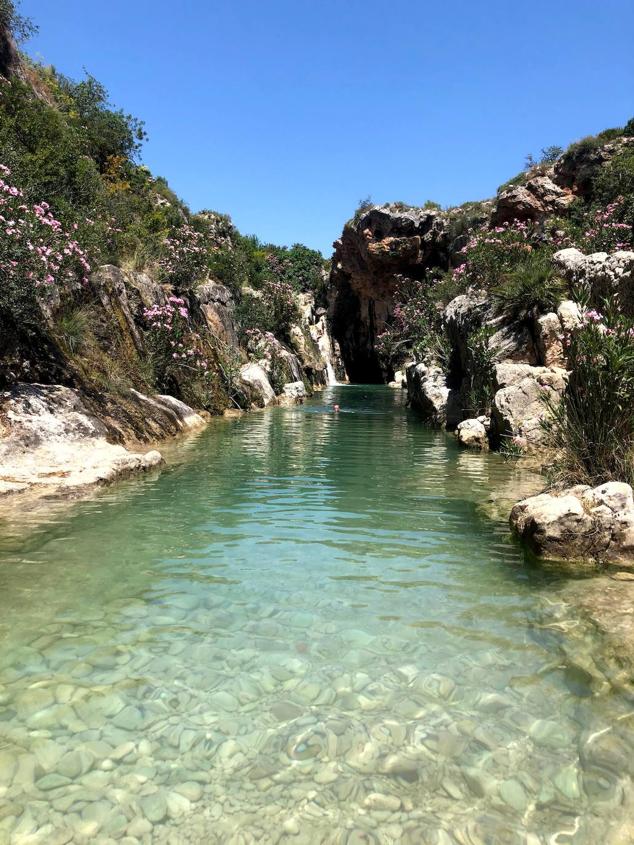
[300,632]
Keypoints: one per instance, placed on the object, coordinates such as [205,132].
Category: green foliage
[628,129]
[72,326]
[549,155]
[520,179]
[430,205]
[416,330]
[531,287]
[104,132]
[20,27]
[271,309]
[363,206]
[593,426]
[480,373]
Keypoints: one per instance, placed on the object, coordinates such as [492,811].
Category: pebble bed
[186,706]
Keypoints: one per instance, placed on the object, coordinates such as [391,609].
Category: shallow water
[301,631]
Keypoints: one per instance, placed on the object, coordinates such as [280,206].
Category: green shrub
[480,372]
[531,288]
[72,326]
[593,426]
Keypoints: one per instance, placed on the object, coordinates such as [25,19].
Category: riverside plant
[592,427]
[176,348]
[416,328]
[40,260]
[184,256]
[606,231]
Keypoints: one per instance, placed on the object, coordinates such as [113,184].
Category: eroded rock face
[518,405]
[539,197]
[293,393]
[379,245]
[429,393]
[256,385]
[604,275]
[577,168]
[50,440]
[582,523]
[217,305]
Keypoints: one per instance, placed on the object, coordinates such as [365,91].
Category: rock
[428,392]
[399,381]
[52,781]
[129,719]
[539,197]
[581,523]
[217,304]
[605,276]
[569,315]
[378,247]
[512,342]
[578,166]
[518,405]
[53,443]
[473,434]
[550,340]
[294,393]
[257,386]
[381,801]
[154,807]
[191,790]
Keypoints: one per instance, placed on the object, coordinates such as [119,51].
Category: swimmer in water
[335,408]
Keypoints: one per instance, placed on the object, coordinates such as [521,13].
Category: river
[302,630]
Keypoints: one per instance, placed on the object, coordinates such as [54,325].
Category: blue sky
[285,113]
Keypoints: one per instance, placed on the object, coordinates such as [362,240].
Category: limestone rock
[581,523]
[550,340]
[473,434]
[604,275]
[428,392]
[379,247]
[217,305]
[293,393]
[538,197]
[53,442]
[399,381]
[518,405]
[257,385]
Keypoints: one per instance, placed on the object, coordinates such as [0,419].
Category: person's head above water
[335,407]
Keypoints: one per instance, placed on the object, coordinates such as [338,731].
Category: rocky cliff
[491,312]
[377,247]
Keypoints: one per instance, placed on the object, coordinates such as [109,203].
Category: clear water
[301,631]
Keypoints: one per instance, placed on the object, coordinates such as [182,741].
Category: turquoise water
[302,630]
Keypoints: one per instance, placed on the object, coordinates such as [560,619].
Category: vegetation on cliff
[74,196]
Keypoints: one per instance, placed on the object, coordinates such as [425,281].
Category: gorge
[304,549]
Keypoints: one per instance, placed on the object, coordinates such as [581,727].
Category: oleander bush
[592,428]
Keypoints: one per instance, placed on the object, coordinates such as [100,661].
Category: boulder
[293,393]
[52,442]
[256,385]
[399,381]
[473,434]
[569,315]
[539,197]
[605,276]
[550,340]
[428,392]
[581,523]
[519,406]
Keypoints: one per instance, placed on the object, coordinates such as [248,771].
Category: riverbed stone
[154,807]
[580,523]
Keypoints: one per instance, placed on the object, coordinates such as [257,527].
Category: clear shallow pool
[302,631]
